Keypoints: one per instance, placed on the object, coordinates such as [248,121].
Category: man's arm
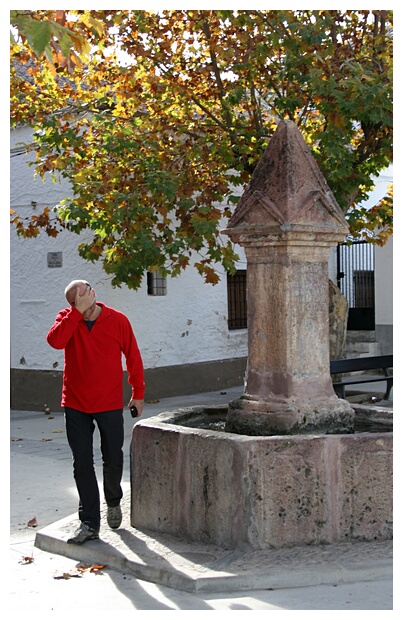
[134,365]
[63,328]
[68,319]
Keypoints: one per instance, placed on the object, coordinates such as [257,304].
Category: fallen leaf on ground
[59,430]
[97,568]
[94,568]
[27,559]
[19,439]
[83,567]
[68,575]
[33,522]
[44,439]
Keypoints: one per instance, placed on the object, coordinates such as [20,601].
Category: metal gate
[355,279]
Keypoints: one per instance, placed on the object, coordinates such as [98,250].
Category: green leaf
[38,35]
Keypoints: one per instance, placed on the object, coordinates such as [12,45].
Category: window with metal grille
[236,296]
[156,283]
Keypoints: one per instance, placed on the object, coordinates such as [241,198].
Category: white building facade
[186,344]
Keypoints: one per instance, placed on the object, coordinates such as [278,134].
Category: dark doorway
[355,278]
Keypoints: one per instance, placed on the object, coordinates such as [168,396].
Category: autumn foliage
[158,120]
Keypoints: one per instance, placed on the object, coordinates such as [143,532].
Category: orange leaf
[33,522]
[97,568]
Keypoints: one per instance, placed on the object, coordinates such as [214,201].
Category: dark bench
[380,362]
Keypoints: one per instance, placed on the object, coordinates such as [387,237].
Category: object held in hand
[133,411]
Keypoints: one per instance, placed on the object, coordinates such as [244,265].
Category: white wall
[187,325]
[384,283]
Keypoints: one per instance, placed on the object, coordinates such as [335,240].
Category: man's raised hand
[84,301]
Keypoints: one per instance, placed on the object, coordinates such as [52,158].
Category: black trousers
[80,430]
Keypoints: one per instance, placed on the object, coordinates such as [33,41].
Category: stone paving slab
[197,567]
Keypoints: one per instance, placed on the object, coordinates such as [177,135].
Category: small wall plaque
[55,259]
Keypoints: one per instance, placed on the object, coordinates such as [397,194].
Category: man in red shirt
[94,337]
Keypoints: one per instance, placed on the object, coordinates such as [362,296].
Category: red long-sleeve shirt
[93,372]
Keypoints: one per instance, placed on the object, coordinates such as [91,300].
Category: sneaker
[114,516]
[82,534]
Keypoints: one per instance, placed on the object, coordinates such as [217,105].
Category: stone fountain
[287,220]
[285,466]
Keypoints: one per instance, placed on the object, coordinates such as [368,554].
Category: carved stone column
[287,220]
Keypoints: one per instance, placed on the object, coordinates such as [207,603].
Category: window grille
[156,284]
[236,295]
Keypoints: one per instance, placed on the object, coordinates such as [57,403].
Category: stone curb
[197,567]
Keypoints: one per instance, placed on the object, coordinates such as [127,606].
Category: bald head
[80,295]
[70,290]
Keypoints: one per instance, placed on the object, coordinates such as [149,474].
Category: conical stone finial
[288,191]
[287,220]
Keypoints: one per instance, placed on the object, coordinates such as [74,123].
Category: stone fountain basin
[240,491]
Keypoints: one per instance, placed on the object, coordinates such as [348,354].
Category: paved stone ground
[173,562]
[349,576]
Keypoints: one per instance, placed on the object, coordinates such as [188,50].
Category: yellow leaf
[59,164]
[81,176]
